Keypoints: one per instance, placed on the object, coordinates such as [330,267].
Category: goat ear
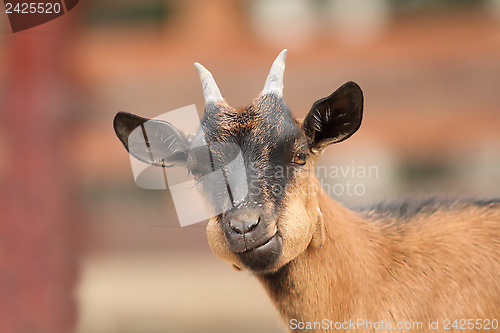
[152,141]
[334,118]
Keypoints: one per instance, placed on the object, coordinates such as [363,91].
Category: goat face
[278,217]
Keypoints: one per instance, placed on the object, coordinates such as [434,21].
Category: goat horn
[274,81]
[210,90]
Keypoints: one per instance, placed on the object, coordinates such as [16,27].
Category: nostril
[242,226]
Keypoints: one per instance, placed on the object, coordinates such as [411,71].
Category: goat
[429,264]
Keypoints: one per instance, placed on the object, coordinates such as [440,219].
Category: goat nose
[244,221]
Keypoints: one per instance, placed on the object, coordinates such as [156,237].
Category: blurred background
[83,249]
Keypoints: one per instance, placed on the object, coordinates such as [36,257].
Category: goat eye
[300,159]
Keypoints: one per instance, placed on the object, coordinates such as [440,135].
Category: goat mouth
[262,258]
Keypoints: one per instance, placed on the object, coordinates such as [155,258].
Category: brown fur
[445,265]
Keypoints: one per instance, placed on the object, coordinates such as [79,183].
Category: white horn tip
[274,82]
[282,55]
[210,90]
[200,67]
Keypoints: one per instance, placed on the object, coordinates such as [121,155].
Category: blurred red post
[37,248]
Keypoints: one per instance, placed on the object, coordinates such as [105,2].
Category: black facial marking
[268,138]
